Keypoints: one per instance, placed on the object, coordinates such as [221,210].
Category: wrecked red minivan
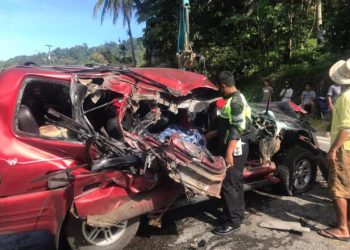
[87,151]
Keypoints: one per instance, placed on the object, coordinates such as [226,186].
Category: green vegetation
[295,40]
[114,7]
[254,39]
[108,53]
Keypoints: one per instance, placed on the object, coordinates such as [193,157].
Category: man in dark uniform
[232,132]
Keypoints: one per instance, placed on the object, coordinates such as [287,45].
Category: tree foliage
[252,39]
[114,7]
[338,27]
[240,36]
[159,38]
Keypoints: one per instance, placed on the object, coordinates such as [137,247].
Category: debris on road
[198,243]
[284,225]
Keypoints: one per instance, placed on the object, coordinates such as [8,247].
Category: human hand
[229,160]
[331,157]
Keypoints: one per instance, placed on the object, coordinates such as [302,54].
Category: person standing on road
[321,89]
[339,155]
[233,126]
[267,91]
[321,105]
[332,95]
[287,92]
[307,98]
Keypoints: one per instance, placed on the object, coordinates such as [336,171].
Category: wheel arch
[286,166]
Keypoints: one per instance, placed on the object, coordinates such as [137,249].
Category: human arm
[302,98]
[282,92]
[313,96]
[234,133]
[271,92]
[342,111]
[229,152]
[329,103]
[329,98]
[342,136]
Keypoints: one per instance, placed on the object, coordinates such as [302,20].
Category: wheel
[298,171]
[82,236]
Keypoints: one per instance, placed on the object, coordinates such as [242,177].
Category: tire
[81,236]
[298,171]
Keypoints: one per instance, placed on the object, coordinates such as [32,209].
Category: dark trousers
[232,191]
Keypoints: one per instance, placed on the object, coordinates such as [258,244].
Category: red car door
[30,149]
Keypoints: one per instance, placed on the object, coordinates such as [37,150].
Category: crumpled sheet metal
[198,180]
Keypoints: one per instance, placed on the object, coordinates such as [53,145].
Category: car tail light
[58,181]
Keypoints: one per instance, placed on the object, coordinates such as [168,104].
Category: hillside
[108,53]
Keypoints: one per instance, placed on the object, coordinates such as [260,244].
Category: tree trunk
[149,52]
[131,42]
[319,28]
[289,46]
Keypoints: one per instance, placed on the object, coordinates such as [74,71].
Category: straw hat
[340,72]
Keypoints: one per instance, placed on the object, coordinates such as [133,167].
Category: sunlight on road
[324,142]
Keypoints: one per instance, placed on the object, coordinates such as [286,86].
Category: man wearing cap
[232,132]
[339,154]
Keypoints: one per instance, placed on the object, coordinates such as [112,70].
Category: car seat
[26,120]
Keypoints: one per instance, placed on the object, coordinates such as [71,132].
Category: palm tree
[114,7]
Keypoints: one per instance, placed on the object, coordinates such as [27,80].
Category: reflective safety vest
[240,120]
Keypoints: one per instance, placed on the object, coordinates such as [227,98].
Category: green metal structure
[187,59]
[183,41]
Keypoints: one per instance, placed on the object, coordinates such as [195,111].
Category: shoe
[225,229]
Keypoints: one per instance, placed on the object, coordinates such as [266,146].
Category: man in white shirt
[307,98]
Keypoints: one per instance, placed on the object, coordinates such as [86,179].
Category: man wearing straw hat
[339,155]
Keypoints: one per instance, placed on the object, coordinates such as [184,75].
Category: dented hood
[180,82]
[283,113]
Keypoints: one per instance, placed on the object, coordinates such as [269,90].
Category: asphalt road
[324,142]
[190,227]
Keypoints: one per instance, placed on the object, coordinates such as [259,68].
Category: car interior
[38,96]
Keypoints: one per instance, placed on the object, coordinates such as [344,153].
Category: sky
[28,25]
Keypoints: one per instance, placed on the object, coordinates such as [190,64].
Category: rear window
[36,98]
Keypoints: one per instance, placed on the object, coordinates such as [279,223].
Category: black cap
[227,78]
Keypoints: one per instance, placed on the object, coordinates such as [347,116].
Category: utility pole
[49,55]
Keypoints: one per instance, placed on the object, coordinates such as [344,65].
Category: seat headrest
[26,120]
